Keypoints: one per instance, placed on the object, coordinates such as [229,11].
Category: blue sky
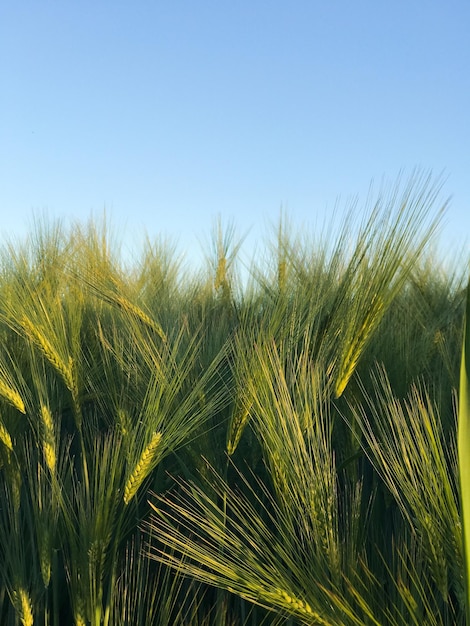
[168,114]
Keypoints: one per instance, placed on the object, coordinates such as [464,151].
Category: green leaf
[464,448]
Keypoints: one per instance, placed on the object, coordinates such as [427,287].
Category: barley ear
[79,613]
[50,353]
[23,606]
[295,605]
[5,437]
[143,468]
[221,273]
[48,437]
[132,308]
[237,425]
[11,396]
[357,343]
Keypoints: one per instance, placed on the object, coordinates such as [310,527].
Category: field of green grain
[194,448]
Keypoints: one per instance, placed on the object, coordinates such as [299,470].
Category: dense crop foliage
[182,448]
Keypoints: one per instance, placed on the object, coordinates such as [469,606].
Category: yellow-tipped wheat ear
[48,437]
[23,607]
[79,620]
[221,273]
[80,612]
[129,306]
[5,437]
[11,396]
[221,281]
[296,605]
[357,345]
[142,469]
[45,346]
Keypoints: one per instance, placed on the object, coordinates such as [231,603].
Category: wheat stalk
[142,468]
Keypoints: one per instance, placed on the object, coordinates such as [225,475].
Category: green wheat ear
[464,449]
[143,468]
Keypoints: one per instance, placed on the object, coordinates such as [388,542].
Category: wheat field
[188,448]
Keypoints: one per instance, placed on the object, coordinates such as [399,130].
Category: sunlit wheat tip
[48,438]
[80,612]
[5,437]
[79,620]
[142,468]
[129,306]
[24,607]
[300,606]
[12,396]
[221,273]
[38,338]
[46,417]
[236,428]
[49,455]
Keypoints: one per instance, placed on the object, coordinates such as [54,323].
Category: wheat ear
[38,338]
[5,437]
[129,306]
[80,612]
[45,555]
[23,607]
[237,425]
[48,437]
[142,468]
[11,396]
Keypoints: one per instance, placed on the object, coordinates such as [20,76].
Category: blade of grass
[464,450]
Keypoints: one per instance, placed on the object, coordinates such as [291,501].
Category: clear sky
[167,114]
